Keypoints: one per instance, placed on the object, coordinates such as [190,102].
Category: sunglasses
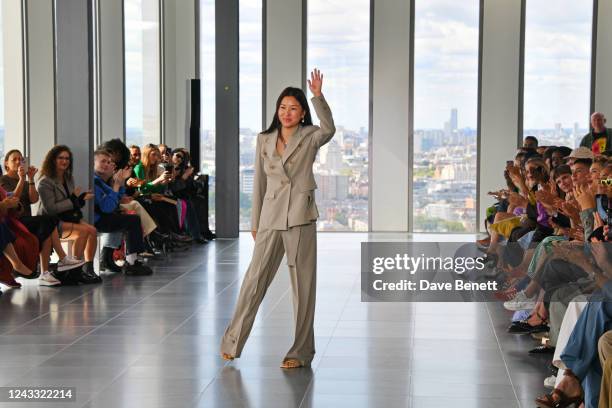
[606,182]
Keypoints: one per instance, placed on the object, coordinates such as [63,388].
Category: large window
[445,115]
[207,98]
[142,72]
[250,30]
[557,70]
[339,44]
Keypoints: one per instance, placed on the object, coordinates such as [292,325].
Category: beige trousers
[300,245]
[148,224]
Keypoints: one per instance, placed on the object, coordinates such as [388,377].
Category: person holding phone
[153,182]
[284,219]
[19,182]
[60,197]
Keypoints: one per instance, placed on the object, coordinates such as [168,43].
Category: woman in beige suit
[284,219]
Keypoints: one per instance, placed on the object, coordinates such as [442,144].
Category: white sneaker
[549,382]
[69,262]
[521,302]
[46,279]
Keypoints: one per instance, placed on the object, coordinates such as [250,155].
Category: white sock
[131,258]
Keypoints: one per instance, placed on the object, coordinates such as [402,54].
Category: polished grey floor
[153,341]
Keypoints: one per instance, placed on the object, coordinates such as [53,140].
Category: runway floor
[154,341]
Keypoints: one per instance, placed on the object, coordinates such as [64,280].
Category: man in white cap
[599,139]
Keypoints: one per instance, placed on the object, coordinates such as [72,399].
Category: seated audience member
[19,247]
[134,156]
[605,358]
[165,152]
[599,139]
[582,375]
[109,191]
[182,188]
[44,227]
[59,197]
[559,156]
[530,142]
[153,181]
[599,163]
[111,241]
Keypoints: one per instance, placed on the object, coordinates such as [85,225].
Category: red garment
[26,244]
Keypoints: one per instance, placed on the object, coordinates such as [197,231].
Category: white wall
[180,67]
[499,94]
[112,59]
[390,151]
[41,79]
[603,65]
[284,63]
[12,14]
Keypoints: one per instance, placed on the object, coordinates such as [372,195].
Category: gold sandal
[227,357]
[290,363]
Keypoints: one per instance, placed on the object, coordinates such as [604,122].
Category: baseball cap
[581,153]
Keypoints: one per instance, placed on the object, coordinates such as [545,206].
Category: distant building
[332,186]
[246,180]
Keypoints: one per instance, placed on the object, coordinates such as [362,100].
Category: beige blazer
[53,197]
[283,187]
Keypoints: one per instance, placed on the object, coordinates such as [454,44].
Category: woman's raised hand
[315,83]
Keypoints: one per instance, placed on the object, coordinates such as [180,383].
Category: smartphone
[26,162]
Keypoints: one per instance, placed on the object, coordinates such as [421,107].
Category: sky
[557,61]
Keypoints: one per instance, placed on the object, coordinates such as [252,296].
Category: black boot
[107,262]
[88,275]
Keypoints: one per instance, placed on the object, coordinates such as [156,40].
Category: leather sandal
[563,401]
[290,363]
[227,357]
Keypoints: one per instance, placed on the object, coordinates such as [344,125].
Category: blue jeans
[580,354]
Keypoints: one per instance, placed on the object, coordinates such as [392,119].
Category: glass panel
[250,28]
[339,45]
[142,79]
[207,98]
[557,71]
[445,115]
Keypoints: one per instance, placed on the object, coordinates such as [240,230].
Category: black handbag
[74,216]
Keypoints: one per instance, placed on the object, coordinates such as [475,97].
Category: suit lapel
[294,141]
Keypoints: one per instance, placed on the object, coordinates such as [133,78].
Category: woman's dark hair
[298,94]
[48,166]
[7,156]
[564,151]
[561,170]
[119,151]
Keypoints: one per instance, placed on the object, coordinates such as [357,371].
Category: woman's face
[154,157]
[556,159]
[290,112]
[62,161]
[565,183]
[595,171]
[177,159]
[14,161]
[533,174]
